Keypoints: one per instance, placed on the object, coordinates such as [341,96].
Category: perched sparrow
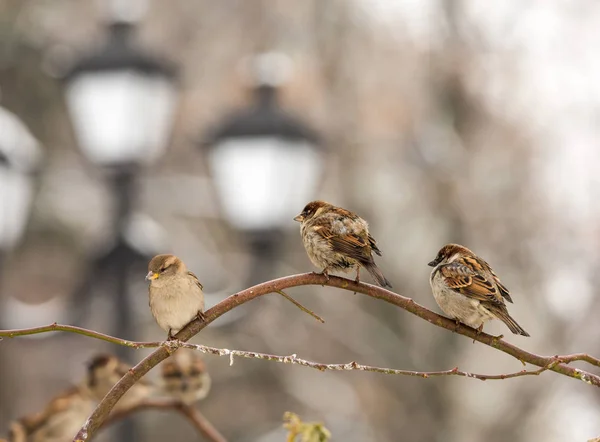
[66,413]
[104,371]
[467,289]
[61,419]
[337,239]
[185,377]
[175,293]
[58,422]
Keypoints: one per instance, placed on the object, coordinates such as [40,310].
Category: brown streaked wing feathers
[373,245]
[195,279]
[479,263]
[353,246]
[467,282]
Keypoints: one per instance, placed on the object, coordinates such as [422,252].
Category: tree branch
[293,359]
[552,363]
[579,357]
[72,329]
[103,409]
[196,418]
[154,344]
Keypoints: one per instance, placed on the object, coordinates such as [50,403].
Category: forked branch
[193,415]
[558,364]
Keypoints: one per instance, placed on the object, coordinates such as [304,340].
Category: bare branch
[300,306]
[196,418]
[101,412]
[293,359]
[78,330]
[579,357]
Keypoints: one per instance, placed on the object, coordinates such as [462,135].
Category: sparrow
[337,239]
[64,415]
[104,371]
[467,289]
[59,421]
[175,293]
[184,376]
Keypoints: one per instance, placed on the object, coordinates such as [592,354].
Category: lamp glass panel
[263,182]
[121,116]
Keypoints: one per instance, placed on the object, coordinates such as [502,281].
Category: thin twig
[196,418]
[300,306]
[293,359]
[579,357]
[566,359]
[72,329]
[201,423]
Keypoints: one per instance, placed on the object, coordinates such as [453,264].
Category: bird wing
[196,280]
[503,290]
[342,240]
[481,266]
[373,245]
[461,276]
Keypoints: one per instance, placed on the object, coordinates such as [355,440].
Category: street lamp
[265,162]
[122,101]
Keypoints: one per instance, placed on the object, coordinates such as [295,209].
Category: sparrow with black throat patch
[337,239]
[466,288]
[175,293]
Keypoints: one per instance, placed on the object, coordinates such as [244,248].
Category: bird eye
[162,269]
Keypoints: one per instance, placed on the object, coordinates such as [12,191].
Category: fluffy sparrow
[185,377]
[66,413]
[104,371]
[175,293]
[337,239]
[61,418]
[59,421]
[467,289]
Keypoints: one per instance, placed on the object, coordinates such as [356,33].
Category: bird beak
[151,276]
[299,218]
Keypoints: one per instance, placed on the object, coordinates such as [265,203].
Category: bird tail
[503,315]
[377,274]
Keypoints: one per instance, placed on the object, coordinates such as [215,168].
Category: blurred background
[201,128]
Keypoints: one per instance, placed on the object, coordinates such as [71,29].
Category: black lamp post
[266,164]
[121,102]
[20,157]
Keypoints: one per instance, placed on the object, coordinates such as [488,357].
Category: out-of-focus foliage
[299,431]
